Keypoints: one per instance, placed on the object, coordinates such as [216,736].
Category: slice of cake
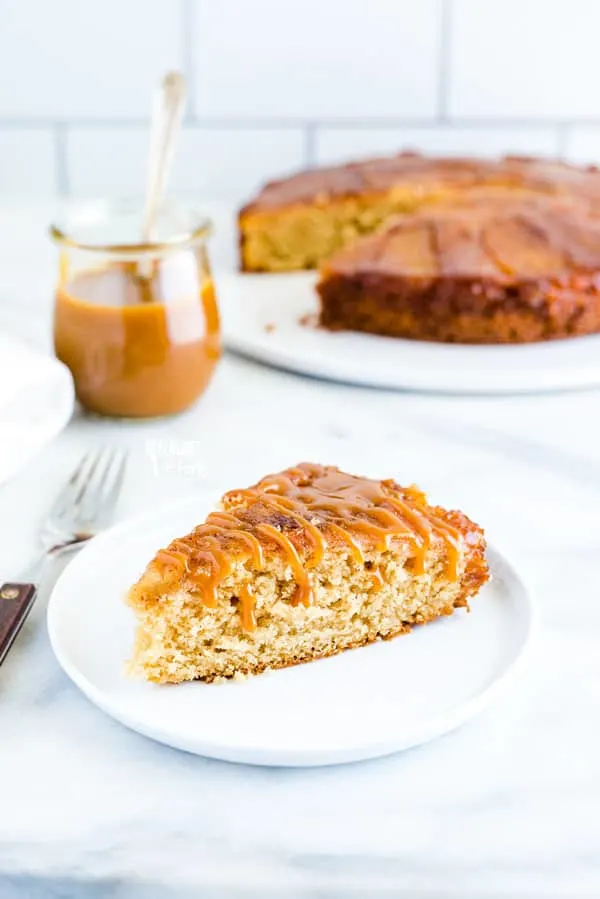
[300,221]
[305,564]
[483,272]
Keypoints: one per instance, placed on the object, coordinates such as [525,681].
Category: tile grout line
[444,69]
[562,136]
[233,122]
[310,133]
[61,163]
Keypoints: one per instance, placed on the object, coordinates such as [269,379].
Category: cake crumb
[270,327]
[309,320]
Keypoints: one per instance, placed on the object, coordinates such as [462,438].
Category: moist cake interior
[306,563]
[300,221]
[487,272]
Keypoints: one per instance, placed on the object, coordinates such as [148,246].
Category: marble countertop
[506,806]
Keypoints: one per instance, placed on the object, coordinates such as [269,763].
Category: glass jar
[136,323]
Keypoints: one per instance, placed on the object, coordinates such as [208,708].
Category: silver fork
[83,507]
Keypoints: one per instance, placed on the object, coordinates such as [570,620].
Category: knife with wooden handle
[16,601]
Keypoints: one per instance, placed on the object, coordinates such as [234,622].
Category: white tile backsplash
[316,59]
[68,58]
[28,165]
[342,144]
[280,84]
[583,145]
[218,163]
[531,59]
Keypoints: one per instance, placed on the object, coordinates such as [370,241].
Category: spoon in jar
[167,114]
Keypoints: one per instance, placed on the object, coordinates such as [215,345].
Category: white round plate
[262,320]
[360,704]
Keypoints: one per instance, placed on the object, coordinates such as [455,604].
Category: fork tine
[88,480]
[86,503]
[111,487]
[93,493]
[113,491]
[66,495]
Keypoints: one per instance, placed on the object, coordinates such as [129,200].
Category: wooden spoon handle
[16,601]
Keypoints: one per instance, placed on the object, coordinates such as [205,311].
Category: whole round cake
[299,222]
[486,271]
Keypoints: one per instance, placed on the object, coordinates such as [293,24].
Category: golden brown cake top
[501,240]
[297,513]
[420,175]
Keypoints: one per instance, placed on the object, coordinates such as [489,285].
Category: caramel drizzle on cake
[315,501]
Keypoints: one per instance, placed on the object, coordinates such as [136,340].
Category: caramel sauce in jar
[138,327]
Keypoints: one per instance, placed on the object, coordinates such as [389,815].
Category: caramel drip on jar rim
[305,507]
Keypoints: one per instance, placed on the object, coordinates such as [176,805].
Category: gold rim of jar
[201,231]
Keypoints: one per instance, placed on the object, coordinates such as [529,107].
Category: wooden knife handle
[16,601]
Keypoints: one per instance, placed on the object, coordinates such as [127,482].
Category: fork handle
[16,601]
